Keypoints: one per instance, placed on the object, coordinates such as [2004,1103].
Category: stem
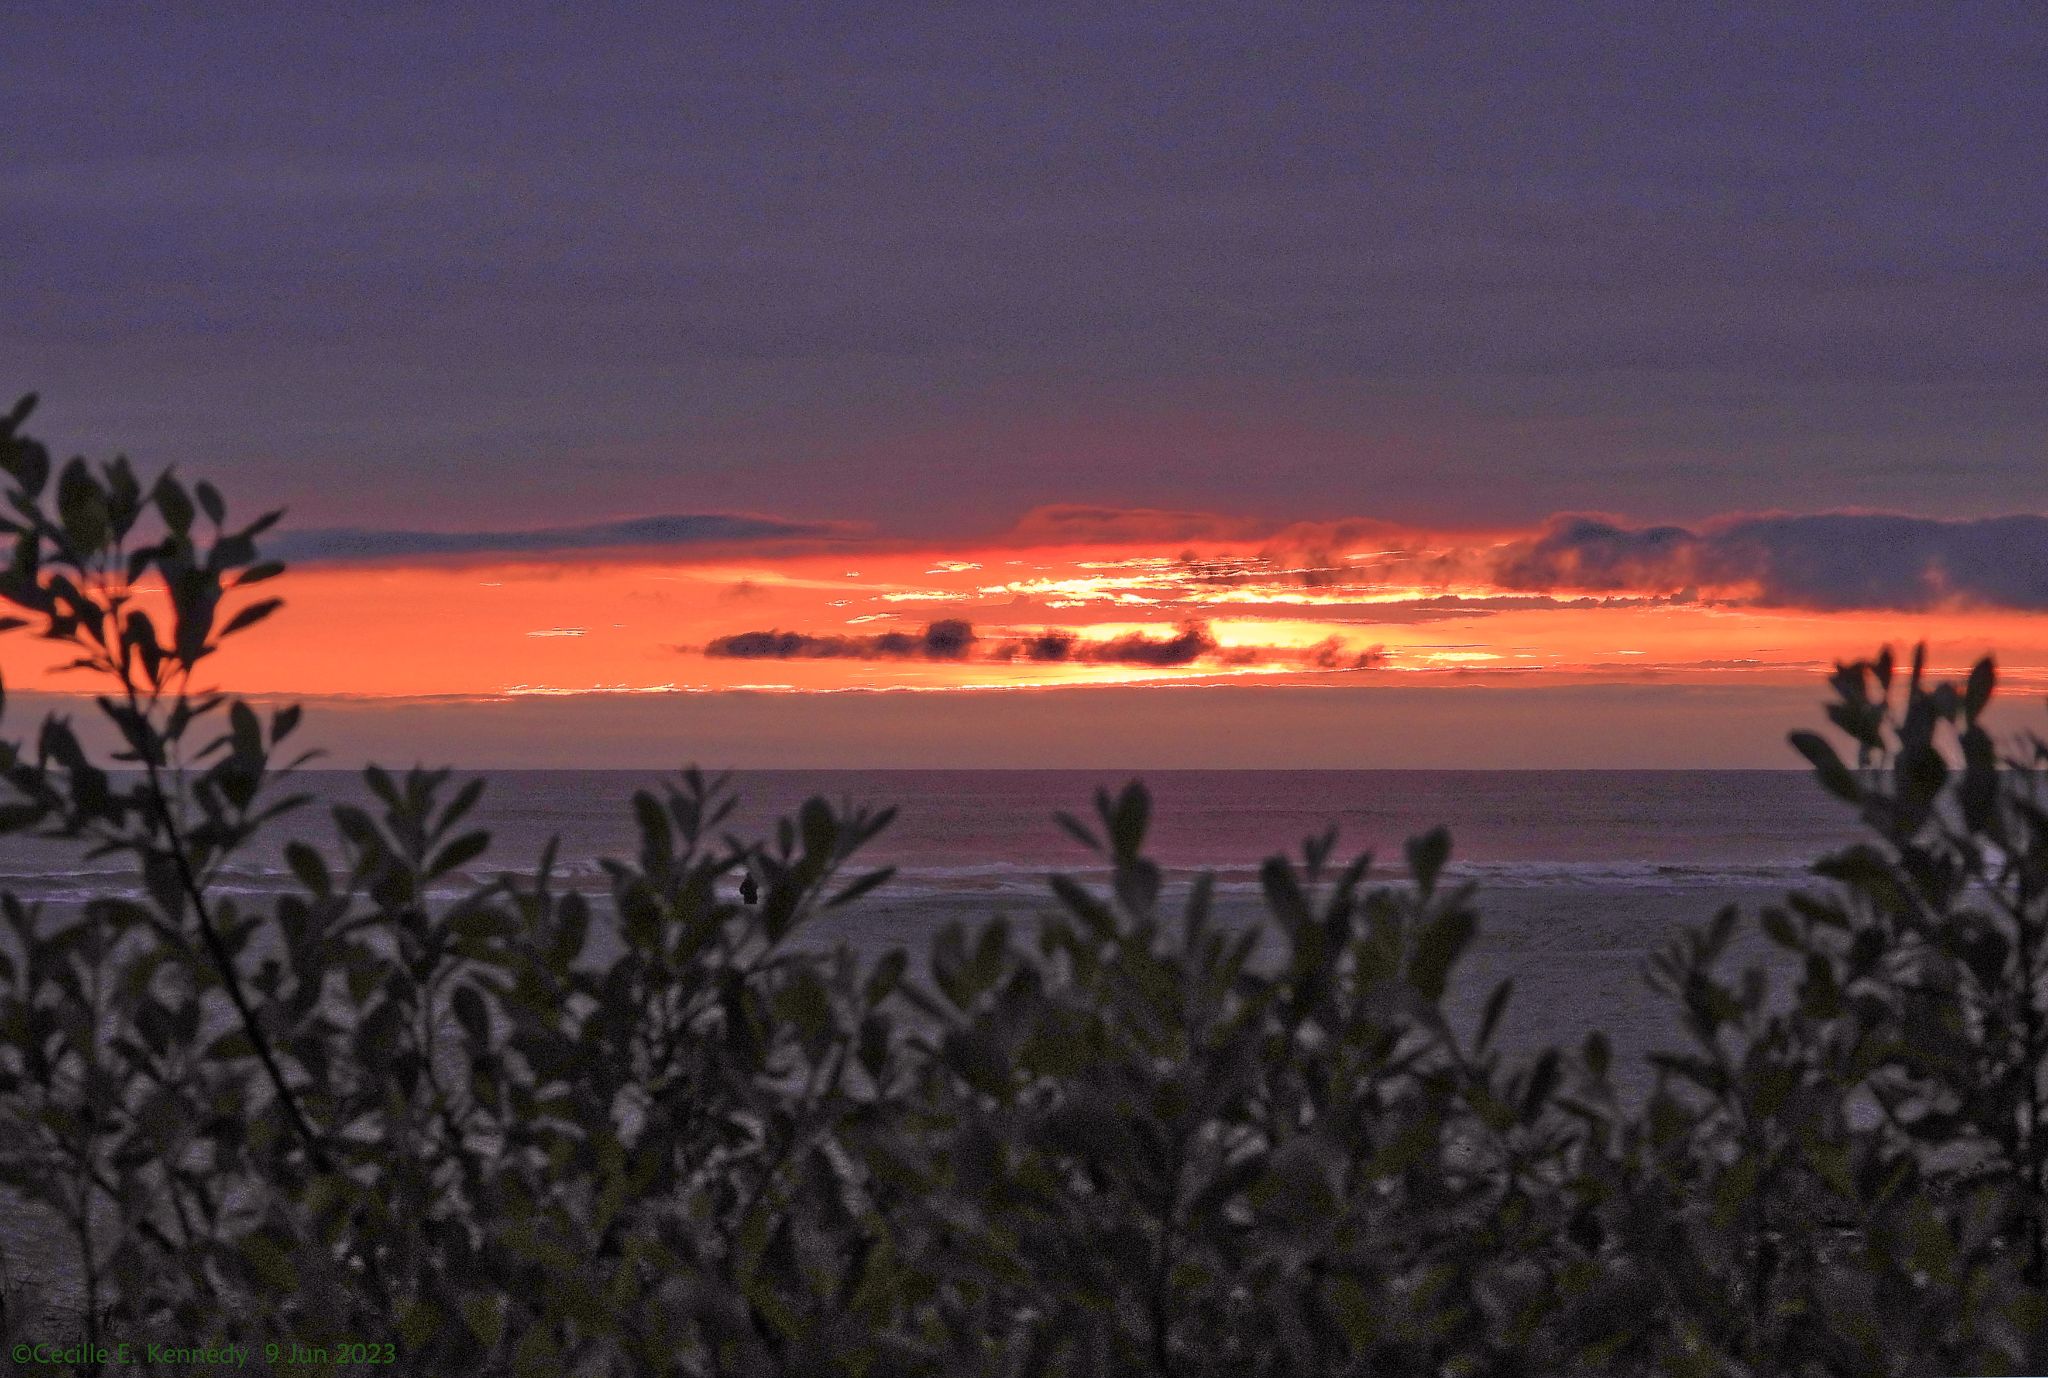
[231,981]
[87,1168]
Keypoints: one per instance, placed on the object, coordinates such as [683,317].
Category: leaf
[247,733]
[1597,1054]
[458,808]
[1983,678]
[872,1044]
[977,1059]
[474,1016]
[209,499]
[1778,925]
[463,849]
[657,840]
[1835,777]
[805,1004]
[82,508]
[1543,1079]
[1437,950]
[1426,857]
[820,829]
[173,505]
[1284,898]
[485,1316]
[1100,922]
[251,615]
[861,886]
[1355,1312]
[1128,819]
[1496,1003]
[271,1264]
[1865,869]
[1296,1183]
[309,867]
[887,975]
[381,784]
[418,1323]
[1078,830]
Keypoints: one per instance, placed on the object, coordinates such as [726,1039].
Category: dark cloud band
[1829,562]
[954,639]
[346,544]
[950,639]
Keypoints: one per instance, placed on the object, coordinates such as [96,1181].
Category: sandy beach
[1576,953]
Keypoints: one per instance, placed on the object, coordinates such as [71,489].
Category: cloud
[1591,553]
[949,639]
[1824,561]
[346,543]
[1044,646]
[1081,524]
[957,640]
[1193,642]
[1190,643]
[1827,561]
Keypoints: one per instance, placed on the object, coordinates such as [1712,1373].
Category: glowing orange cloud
[1088,596]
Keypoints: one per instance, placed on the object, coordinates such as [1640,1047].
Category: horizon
[352,772]
[1522,389]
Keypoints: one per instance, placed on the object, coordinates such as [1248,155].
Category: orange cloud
[1763,599]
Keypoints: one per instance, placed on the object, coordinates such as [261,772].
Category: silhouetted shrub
[485,1134]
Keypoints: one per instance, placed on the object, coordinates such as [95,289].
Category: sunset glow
[1013,613]
[734,382]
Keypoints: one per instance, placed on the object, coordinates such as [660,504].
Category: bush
[472,1137]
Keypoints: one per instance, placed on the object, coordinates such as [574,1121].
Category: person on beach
[749,889]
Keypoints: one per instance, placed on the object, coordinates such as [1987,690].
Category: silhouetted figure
[749,890]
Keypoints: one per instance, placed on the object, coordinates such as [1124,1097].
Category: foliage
[516,1131]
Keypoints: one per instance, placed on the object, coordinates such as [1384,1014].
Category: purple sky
[514,267]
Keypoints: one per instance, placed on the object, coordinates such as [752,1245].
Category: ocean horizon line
[1070,770]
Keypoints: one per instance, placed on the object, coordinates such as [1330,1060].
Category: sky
[1102,385]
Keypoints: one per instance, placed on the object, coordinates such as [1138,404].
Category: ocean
[961,833]
[1580,874]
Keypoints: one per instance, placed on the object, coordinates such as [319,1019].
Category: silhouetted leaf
[251,615]
[1496,1003]
[1837,778]
[1426,857]
[886,976]
[1437,949]
[460,852]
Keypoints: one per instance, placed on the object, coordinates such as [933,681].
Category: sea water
[992,833]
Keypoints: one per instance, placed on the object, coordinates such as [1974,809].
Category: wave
[1007,879]
[1020,878]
